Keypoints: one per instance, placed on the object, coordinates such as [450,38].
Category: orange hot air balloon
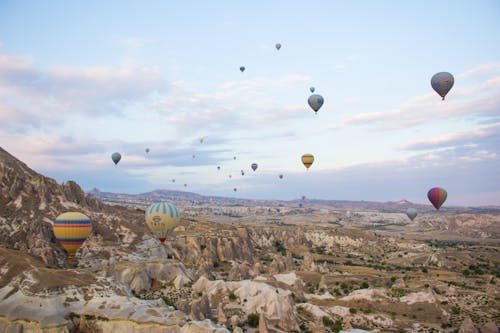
[437,196]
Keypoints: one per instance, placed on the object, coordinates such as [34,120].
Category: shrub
[327,321]
[365,285]
[353,311]
[337,327]
[232,296]
[455,310]
[253,320]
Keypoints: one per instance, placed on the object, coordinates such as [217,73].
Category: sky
[80,80]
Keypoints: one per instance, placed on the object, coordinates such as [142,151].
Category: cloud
[478,95]
[35,97]
[486,135]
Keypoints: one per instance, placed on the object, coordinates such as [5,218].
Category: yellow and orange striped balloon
[71,230]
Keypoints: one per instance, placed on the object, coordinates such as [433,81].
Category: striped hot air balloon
[437,196]
[307,160]
[71,230]
[162,218]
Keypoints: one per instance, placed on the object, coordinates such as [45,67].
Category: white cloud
[480,98]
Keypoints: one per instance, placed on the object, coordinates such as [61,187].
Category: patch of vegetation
[253,320]
[399,292]
[232,296]
[353,311]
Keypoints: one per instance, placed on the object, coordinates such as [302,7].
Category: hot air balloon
[230,176]
[442,83]
[173,180]
[300,204]
[307,160]
[218,167]
[281,176]
[234,157]
[312,89]
[147,150]
[201,140]
[185,185]
[437,196]
[162,218]
[411,213]
[71,230]
[254,166]
[278,46]
[303,197]
[116,157]
[315,102]
[194,155]
[242,172]
[234,189]
[242,69]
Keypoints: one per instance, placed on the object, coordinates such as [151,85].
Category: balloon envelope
[161,219]
[116,157]
[307,160]
[437,196]
[242,69]
[312,89]
[278,46]
[218,168]
[254,166]
[71,230]
[281,176]
[315,102]
[234,189]
[201,140]
[147,150]
[411,213]
[442,83]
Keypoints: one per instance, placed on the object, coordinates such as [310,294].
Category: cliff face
[29,202]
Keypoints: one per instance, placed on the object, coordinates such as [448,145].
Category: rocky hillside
[29,202]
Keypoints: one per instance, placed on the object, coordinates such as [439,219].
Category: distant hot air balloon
[242,69]
[218,167]
[71,230]
[300,204]
[411,213]
[201,140]
[303,197]
[312,89]
[234,189]
[234,157]
[147,150]
[315,102]
[442,83]
[161,219]
[278,46]
[281,176]
[242,172]
[437,196]
[173,180]
[307,160]
[194,155]
[185,185]
[230,176]
[116,157]
[254,166]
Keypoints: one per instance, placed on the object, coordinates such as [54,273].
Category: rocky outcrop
[200,308]
[262,323]
[140,277]
[277,304]
[490,327]
[468,326]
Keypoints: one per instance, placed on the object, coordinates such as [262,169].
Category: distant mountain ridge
[183,197]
